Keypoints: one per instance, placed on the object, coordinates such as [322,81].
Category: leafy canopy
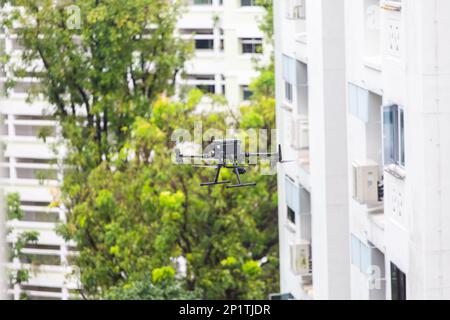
[143,226]
[100,64]
[147,213]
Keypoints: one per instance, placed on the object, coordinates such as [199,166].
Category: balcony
[29,174]
[391,22]
[46,282]
[372,35]
[295,21]
[395,197]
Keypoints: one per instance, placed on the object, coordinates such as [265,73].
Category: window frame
[288,92]
[291,215]
[252,3]
[202,2]
[209,44]
[255,43]
[398,291]
[246,93]
[394,136]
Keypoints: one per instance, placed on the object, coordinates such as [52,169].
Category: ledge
[396,171]
[373,62]
[391,6]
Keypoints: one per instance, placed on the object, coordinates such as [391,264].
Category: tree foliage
[139,215]
[160,285]
[14,212]
[100,64]
[266,24]
[135,216]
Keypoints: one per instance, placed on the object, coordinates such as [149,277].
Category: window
[292,199]
[204,44]
[295,76]
[246,93]
[251,45]
[398,283]
[204,39]
[202,2]
[402,137]
[203,82]
[302,87]
[24,87]
[288,91]
[207,88]
[291,215]
[358,102]
[41,259]
[248,3]
[40,216]
[394,135]
[355,251]
[360,255]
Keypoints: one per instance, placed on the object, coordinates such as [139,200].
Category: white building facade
[227,40]
[370,186]
[227,43]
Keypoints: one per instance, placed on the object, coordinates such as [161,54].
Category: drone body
[226,150]
[228,154]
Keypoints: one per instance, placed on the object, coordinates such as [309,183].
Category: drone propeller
[179,157]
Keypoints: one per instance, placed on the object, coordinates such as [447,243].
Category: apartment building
[362,105]
[398,80]
[311,118]
[30,169]
[227,41]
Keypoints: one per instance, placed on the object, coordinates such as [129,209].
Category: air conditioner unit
[289,9]
[295,134]
[295,9]
[300,258]
[300,133]
[365,182]
[299,9]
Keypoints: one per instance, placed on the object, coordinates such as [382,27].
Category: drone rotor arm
[180,157]
[260,154]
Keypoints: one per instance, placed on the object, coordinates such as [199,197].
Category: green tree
[101,63]
[160,285]
[138,215]
[132,211]
[266,24]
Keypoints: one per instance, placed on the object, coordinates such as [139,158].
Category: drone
[227,154]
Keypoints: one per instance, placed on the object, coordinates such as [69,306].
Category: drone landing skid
[237,171]
[208,184]
[216,180]
[241,185]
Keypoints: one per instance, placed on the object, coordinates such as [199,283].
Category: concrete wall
[394,55]
[412,70]
[319,41]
